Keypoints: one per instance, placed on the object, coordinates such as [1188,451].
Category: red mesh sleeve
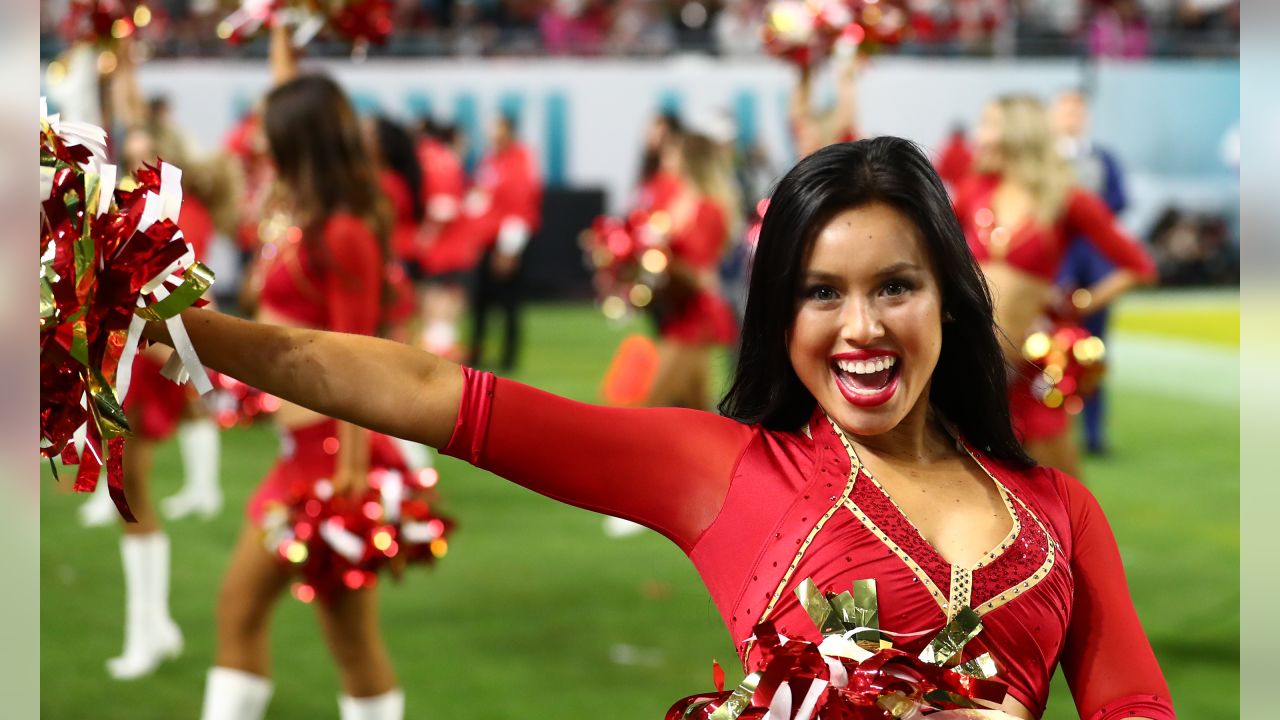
[1088,215]
[353,277]
[665,468]
[1107,660]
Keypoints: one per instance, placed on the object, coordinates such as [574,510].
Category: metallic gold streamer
[948,643]
[196,280]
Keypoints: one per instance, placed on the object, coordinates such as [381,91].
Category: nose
[860,323]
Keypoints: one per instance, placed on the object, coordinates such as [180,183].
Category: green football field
[534,613]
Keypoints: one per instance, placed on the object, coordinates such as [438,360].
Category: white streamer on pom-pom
[184,364]
[343,541]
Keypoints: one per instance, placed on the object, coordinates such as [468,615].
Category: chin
[861,422]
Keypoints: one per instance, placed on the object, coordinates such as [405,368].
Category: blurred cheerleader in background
[327,269]
[157,408]
[692,314]
[1020,210]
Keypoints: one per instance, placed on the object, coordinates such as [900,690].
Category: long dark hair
[400,156]
[320,155]
[969,384]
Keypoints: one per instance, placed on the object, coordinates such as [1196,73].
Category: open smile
[867,378]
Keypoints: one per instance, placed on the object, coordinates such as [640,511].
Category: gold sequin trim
[854,468]
[1013,592]
[1040,574]
[961,590]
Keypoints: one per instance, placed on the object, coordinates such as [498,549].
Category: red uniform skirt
[706,319]
[308,454]
[1032,419]
[154,404]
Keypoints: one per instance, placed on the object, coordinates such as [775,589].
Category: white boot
[99,509]
[235,695]
[387,706]
[200,444]
[143,650]
[166,638]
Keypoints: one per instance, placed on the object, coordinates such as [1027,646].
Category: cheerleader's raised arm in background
[866,435]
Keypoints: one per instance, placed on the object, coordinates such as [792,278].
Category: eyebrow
[893,269]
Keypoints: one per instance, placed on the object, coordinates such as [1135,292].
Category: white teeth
[867,367]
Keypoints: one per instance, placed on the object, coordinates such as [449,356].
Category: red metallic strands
[105,21]
[807,31]
[359,21]
[1071,362]
[855,673]
[341,540]
[630,256]
[109,259]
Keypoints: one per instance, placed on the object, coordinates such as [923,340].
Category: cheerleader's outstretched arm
[666,468]
[379,384]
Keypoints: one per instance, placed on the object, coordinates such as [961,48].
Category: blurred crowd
[1099,28]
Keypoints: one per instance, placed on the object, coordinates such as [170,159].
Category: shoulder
[1078,506]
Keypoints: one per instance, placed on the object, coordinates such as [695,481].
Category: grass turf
[534,614]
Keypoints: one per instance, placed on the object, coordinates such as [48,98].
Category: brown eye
[896,288]
[821,293]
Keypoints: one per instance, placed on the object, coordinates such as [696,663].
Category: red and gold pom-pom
[339,541]
[358,21]
[807,31]
[630,257]
[110,260]
[855,673]
[105,21]
[1071,361]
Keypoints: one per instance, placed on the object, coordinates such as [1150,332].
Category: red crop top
[758,511]
[1039,250]
[702,239]
[339,290]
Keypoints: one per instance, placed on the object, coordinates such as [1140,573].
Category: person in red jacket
[866,435]
[1020,210]
[504,209]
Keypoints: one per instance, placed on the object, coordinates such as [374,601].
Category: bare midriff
[1020,300]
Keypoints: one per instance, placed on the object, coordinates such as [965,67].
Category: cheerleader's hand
[351,465]
[348,481]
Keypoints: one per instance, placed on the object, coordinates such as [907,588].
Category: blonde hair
[1029,156]
[709,169]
